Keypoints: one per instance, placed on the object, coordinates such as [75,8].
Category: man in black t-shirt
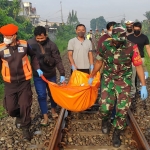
[141,40]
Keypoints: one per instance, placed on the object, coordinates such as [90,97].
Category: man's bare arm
[97,67]
[70,56]
[141,75]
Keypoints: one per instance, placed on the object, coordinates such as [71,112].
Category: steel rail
[140,138]
[57,133]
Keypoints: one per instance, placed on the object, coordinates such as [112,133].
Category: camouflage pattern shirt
[117,62]
[97,36]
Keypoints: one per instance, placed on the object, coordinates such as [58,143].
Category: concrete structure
[30,12]
[50,24]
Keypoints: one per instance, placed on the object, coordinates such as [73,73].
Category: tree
[93,24]
[72,19]
[54,25]
[146,24]
[147,15]
[136,20]
[98,23]
[63,35]
[13,8]
[16,8]
[101,23]
[25,27]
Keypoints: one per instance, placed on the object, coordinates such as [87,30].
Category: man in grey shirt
[80,51]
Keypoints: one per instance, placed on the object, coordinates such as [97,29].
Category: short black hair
[39,30]
[137,24]
[113,23]
[79,25]
[109,24]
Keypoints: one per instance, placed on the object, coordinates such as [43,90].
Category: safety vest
[15,63]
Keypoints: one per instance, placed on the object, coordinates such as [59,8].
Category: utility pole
[61,13]
[46,26]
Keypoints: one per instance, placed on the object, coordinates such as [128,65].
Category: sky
[112,10]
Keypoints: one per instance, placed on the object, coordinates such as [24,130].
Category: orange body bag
[77,95]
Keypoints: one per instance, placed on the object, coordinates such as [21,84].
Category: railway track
[82,131]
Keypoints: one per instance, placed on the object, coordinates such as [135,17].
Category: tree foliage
[72,18]
[93,24]
[25,27]
[146,24]
[9,13]
[147,15]
[98,23]
[13,8]
[64,34]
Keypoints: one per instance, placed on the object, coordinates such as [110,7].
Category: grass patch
[2,110]
[147,61]
[61,44]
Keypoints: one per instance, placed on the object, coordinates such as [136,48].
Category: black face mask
[137,32]
[81,34]
[42,42]
[118,44]
[129,30]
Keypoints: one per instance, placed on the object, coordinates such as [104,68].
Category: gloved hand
[40,72]
[91,68]
[62,79]
[73,68]
[144,93]
[90,81]
[146,75]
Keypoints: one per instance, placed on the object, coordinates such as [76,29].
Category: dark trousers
[41,87]
[18,101]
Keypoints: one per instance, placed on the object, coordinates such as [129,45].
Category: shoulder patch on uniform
[2,46]
[23,43]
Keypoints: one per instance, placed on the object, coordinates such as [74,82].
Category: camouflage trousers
[111,91]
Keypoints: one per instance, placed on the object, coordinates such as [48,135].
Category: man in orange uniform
[16,72]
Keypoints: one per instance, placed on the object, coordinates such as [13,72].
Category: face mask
[118,44]
[81,34]
[8,41]
[129,30]
[137,32]
[109,33]
[42,42]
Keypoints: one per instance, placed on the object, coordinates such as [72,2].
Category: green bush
[64,34]
[25,27]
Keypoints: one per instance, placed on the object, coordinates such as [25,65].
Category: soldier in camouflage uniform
[97,36]
[116,54]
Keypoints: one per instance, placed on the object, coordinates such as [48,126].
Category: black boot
[26,134]
[106,126]
[18,122]
[116,138]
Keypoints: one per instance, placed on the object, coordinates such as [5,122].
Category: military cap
[119,34]
[9,29]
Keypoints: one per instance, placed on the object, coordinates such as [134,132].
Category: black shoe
[18,122]
[26,134]
[116,138]
[106,126]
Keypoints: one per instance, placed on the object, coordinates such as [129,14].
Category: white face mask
[8,41]
[109,33]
